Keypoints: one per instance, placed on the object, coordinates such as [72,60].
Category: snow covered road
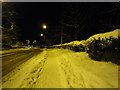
[59,68]
[10,60]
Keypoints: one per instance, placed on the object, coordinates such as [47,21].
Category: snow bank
[114,34]
[74,43]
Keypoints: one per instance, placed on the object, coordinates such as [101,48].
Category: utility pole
[75,33]
[62,33]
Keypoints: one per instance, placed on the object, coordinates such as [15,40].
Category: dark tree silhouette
[74,16]
[109,18]
[9,32]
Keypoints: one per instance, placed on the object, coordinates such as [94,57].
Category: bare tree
[110,18]
[9,32]
[74,17]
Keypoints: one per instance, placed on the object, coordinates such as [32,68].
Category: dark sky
[30,17]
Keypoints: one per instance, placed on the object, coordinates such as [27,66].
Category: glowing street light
[41,35]
[44,26]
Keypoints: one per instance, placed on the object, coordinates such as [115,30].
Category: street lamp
[44,26]
[41,35]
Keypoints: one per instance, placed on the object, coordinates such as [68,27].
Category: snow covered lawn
[59,68]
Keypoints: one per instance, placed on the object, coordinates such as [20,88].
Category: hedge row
[105,50]
[101,50]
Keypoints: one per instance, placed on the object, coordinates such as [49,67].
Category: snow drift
[113,34]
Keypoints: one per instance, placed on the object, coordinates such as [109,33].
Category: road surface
[11,60]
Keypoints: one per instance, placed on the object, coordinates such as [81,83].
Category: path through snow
[57,68]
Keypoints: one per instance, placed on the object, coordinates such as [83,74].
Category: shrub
[104,50]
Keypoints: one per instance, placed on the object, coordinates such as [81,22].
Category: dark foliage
[105,50]
[9,27]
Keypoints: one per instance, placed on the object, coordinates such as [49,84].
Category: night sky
[30,17]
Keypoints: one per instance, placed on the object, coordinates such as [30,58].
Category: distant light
[34,41]
[41,35]
[44,26]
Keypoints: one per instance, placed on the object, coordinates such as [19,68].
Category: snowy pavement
[59,68]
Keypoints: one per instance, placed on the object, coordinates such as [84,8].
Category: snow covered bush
[77,48]
[104,50]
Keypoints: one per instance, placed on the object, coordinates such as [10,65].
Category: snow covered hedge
[100,47]
[104,50]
